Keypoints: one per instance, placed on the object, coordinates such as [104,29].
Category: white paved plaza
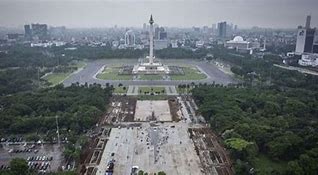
[144,110]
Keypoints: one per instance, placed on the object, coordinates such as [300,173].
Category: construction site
[152,136]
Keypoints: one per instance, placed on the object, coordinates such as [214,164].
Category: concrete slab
[145,109]
[152,149]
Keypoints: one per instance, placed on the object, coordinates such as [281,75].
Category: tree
[293,168]
[19,166]
[140,172]
[161,173]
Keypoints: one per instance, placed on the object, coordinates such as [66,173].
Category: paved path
[87,74]
[171,90]
[132,90]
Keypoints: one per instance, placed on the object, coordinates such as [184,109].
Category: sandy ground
[152,149]
[145,108]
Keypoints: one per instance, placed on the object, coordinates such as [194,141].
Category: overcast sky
[174,13]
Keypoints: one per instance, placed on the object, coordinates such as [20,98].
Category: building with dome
[238,43]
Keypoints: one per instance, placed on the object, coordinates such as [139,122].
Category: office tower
[305,38]
[130,38]
[27,32]
[144,27]
[222,29]
[162,34]
[40,31]
[308,19]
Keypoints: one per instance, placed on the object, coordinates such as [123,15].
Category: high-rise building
[305,38]
[222,29]
[27,32]
[156,35]
[308,19]
[130,38]
[162,35]
[144,27]
[315,47]
[40,31]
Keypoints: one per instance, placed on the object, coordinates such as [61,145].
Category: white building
[174,43]
[199,44]
[238,43]
[308,60]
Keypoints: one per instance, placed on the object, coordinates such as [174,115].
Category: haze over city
[158,87]
[172,13]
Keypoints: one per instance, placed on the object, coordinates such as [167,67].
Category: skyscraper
[308,19]
[222,29]
[27,32]
[162,34]
[40,31]
[305,38]
[130,38]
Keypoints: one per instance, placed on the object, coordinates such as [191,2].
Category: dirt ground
[174,109]
[213,156]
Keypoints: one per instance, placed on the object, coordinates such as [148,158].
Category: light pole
[57,130]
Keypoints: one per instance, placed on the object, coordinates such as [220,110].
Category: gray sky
[174,13]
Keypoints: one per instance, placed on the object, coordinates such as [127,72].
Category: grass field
[150,77]
[190,73]
[264,165]
[183,90]
[152,97]
[57,78]
[111,73]
[120,90]
[142,90]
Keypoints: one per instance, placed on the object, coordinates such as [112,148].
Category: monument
[150,65]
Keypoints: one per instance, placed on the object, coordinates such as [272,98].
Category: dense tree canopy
[76,106]
[281,123]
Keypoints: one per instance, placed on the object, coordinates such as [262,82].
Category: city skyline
[133,13]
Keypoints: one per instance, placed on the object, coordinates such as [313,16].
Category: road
[87,75]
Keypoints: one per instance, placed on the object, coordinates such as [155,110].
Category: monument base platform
[150,68]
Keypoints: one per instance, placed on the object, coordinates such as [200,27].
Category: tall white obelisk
[151,40]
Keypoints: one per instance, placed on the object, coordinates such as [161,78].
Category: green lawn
[111,73]
[56,78]
[263,165]
[142,90]
[183,90]
[150,77]
[80,64]
[121,90]
[152,97]
[190,73]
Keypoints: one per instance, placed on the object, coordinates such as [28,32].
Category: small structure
[308,59]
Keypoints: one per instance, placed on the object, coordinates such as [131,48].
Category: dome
[238,39]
